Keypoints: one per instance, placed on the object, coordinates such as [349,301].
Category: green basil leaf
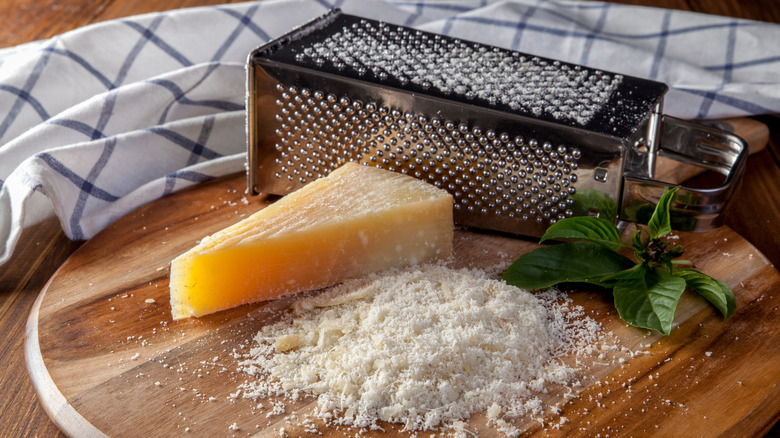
[571,262]
[634,272]
[667,258]
[673,253]
[636,241]
[731,299]
[710,289]
[646,294]
[650,300]
[660,223]
[588,228]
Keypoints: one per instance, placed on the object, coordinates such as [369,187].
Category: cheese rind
[355,221]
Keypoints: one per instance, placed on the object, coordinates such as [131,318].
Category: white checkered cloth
[101,120]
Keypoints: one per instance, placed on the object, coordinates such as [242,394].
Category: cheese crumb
[287,342]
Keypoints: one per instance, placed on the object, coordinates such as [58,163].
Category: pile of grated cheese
[425,347]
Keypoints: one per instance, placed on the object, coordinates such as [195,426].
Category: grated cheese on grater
[425,347]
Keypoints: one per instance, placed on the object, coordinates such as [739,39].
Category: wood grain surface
[43,248]
[106,357]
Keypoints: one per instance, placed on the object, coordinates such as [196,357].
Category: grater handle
[693,208]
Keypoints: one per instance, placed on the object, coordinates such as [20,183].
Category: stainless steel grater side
[520,141]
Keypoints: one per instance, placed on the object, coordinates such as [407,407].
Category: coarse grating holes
[475,71]
[487,172]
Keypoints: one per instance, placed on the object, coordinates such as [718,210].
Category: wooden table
[44,248]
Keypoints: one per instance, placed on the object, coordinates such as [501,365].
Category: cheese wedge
[355,221]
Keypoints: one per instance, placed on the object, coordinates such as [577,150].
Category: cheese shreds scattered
[355,221]
[425,347]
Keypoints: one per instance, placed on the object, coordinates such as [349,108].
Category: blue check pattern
[98,121]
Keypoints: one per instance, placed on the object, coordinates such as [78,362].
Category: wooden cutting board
[106,359]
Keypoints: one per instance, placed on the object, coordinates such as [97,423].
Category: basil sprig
[646,292]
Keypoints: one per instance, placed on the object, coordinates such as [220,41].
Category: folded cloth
[101,120]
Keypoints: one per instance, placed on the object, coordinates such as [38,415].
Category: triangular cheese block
[355,221]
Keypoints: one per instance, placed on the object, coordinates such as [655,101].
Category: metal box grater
[520,141]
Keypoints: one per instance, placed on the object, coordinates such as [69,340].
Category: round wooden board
[106,359]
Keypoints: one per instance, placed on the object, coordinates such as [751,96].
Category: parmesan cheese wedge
[357,220]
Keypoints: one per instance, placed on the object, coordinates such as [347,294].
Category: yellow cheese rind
[356,221]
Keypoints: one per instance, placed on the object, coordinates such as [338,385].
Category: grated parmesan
[426,347]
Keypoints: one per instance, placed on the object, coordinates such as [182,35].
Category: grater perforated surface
[488,172]
[513,137]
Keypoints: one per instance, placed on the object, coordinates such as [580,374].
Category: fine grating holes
[471,70]
[487,172]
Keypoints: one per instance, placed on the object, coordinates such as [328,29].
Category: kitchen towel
[103,119]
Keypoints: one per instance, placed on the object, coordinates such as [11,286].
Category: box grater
[520,141]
